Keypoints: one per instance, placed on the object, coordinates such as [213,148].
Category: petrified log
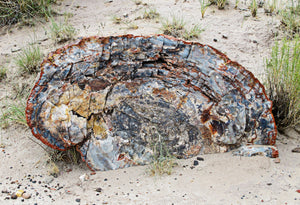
[115,98]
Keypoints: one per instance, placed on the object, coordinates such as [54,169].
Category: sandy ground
[219,179]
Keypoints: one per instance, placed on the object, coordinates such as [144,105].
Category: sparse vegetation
[204,5]
[150,13]
[194,32]
[270,6]
[221,4]
[236,4]
[137,2]
[55,157]
[253,8]
[13,113]
[62,31]
[3,71]
[162,162]
[29,59]
[177,28]
[116,19]
[14,11]
[291,19]
[132,26]
[283,83]
[69,156]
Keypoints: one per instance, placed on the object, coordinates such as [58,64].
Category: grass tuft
[29,59]
[62,31]
[150,13]
[15,11]
[270,6]
[13,113]
[221,4]
[70,156]
[253,8]
[177,28]
[162,161]
[3,74]
[283,83]
[204,5]
[116,19]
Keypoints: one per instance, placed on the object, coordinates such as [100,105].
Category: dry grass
[162,160]
[291,19]
[177,27]
[283,83]
[62,31]
[14,11]
[29,59]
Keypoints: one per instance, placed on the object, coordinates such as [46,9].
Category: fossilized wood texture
[115,98]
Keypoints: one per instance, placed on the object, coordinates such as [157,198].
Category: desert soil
[219,179]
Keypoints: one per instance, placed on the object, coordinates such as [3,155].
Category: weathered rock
[115,98]
[297,150]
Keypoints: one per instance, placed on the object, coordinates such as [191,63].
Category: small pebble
[269,184]
[14,196]
[105,179]
[196,163]
[224,36]
[77,200]
[297,150]
[26,195]
[277,160]
[200,158]
[48,179]
[4,191]
[99,189]
[215,40]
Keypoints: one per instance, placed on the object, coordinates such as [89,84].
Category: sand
[219,179]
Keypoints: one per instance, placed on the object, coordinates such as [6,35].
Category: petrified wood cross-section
[116,97]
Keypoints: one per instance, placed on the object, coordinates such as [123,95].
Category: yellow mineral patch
[79,100]
[97,101]
[65,97]
[99,127]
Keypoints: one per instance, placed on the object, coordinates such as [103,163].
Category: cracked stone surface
[115,98]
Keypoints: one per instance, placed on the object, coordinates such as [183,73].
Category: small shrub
[177,28]
[150,14]
[2,73]
[29,59]
[14,11]
[283,83]
[62,32]
[162,161]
